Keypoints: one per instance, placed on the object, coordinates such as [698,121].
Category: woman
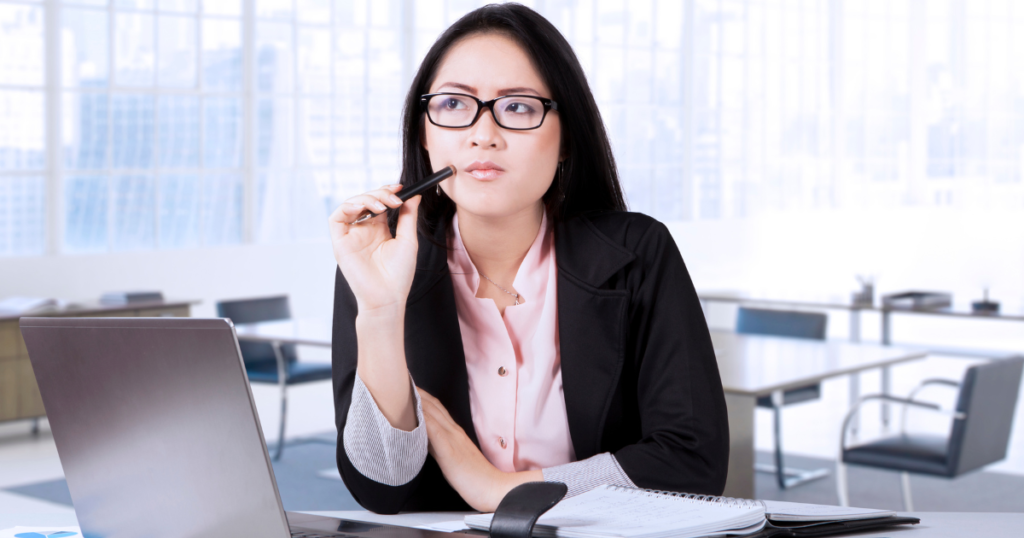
[519,325]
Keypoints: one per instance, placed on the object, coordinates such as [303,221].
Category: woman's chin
[491,207]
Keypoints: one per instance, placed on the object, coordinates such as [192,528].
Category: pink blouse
[515,372]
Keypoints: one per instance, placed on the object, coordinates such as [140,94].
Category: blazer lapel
[592,328]
[433,343]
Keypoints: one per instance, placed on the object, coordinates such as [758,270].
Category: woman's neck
[498,246]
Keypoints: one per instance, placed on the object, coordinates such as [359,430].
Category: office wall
[817,255]
[305,271]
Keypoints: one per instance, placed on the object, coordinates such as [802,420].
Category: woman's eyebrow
[472,90]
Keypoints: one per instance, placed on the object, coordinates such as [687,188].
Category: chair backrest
[253,311]
[810,325]
[988,398]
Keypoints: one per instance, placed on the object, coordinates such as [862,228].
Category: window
[154,124]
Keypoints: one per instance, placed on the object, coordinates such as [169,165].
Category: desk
[933,524]
[19,394]
[1008,313]
[750,366]
[305,331]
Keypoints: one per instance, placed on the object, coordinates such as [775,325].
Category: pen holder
[518,511]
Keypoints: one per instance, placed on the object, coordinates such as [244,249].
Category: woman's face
[500,172]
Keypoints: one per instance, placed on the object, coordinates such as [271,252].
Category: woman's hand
[479,483]
[378,267]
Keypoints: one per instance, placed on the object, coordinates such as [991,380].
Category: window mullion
[248,121]
[54,183]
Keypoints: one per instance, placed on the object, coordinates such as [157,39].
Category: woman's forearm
[380,336]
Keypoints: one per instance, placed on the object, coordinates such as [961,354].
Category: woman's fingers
[407,216]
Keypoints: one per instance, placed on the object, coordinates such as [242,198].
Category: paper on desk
[40,532]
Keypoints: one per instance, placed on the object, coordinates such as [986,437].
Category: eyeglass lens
[451,110]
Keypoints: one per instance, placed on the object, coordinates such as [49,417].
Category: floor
[810,430]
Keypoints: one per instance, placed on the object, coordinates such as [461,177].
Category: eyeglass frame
[481,105]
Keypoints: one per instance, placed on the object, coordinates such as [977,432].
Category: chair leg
[35,427]
[780,469]
[282,381]
[284,416]
[908,502]
[842,488]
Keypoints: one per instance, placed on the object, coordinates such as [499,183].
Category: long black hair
[587,180]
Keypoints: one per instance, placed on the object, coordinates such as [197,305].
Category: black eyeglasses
[513,112]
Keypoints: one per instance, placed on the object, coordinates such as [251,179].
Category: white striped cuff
[377,449]
[585,475]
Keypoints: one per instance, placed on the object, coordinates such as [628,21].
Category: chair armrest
[913,395]
[892,399]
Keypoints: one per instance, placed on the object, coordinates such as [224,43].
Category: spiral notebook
[621,512]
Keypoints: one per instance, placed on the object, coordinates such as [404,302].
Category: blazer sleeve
[684,444]
[370,494]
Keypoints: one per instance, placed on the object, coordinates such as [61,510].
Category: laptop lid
[155,426]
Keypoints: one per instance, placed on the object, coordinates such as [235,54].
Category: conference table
[751,366]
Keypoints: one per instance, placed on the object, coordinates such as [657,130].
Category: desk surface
[933,524]
[96,308]
[754,365]
[1009,310]
[309,332]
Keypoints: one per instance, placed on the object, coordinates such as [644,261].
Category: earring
[561,180]
[437,188]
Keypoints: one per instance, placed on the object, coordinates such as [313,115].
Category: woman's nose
[485,132]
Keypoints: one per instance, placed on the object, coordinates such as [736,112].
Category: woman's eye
[453,104]
[518,108]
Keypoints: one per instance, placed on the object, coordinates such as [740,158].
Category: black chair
[271,362]
[810,325]
[979,434]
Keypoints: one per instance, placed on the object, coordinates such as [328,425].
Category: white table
[933,524]
[751,366]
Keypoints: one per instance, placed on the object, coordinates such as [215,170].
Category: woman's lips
[485,173]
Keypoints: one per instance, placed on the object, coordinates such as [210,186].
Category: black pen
[419,188]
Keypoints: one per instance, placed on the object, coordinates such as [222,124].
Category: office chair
[794,325]
[979,434]
[271,363]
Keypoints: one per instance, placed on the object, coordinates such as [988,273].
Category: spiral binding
[731,502]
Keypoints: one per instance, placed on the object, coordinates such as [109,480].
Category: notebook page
[611,511]
[788,511]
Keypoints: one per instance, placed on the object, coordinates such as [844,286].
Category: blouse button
[502,371]
[501,441]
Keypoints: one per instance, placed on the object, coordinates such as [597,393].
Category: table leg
[854,398]
[741,446]
[886,328]
[886,389]
[855,325]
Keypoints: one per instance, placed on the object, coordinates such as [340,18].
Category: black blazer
[638,368]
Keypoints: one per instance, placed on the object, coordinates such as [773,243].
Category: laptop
[158,434]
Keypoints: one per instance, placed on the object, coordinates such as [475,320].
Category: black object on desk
[520,508]
[918,300]
[832,528]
